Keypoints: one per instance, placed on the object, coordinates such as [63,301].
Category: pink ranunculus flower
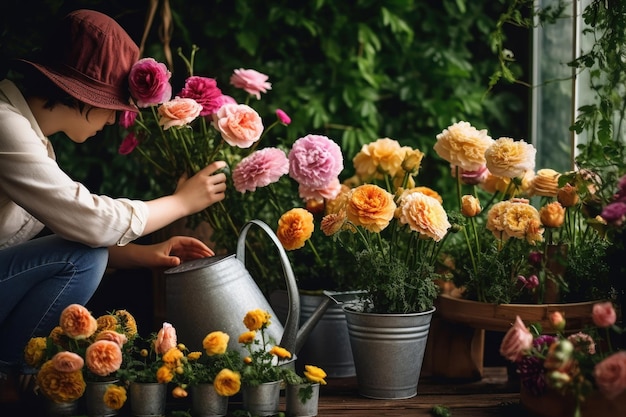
[259,169]
[113,336]
[178,112]
[166,339]
[516,340]
[128,145]
[127,119]
[204,91]
[239,124]
[315,161]
[67,362]
[251,81]
[149,82]
[330,192]
[603,314]
[77,322]
[224,99]
[103,357]
[610,375]
[283,117]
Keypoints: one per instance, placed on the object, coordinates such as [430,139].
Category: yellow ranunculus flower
[280,352]
[381,156]
[256,319]
[295,227]
[164,374]
[545,183]
[172,357]
[227,383]
[215,343]
[194,356]
[115,396]
[247,337]
[315,374]
[34,350]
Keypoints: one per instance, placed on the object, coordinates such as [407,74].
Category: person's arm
[166,254]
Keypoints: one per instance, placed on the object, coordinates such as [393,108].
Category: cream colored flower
[510,158]
[383,156]
[545,183]
[470,206]
[521,220]
[495,222]
[425,215]
[412,160]
[463,145]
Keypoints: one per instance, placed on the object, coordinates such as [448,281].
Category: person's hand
[178,249]
[204,189]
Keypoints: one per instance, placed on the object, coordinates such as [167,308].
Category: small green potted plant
[302,392]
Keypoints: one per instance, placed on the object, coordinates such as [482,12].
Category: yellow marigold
[247,337]
[227,383]
[545,183]
[256,319]
[60,386]
[77,322]
[412,160]
[463,145]
[552,214]
[315,374]
[567,195]
[194,356]
[338,203]
[280,352]
[371,207]
[164,374]
[383,156]
[173,357]
[470,206]
[106,322]
[34,350]
[510,158]
[115,396]
[215,343]
[425,215]
[128,322]
[295,227]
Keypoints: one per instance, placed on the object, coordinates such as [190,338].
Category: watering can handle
[290,334]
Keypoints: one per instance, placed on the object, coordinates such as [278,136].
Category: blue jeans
[38,279]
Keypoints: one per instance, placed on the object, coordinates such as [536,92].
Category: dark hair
[35,84]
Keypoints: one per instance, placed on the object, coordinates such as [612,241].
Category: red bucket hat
[90,57]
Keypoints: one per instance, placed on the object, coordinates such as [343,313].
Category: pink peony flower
[103,357]
[128,145]
[127,118]
[166,339]
[224,99]
[77,322]
[149,82]
[251,81]
[239,124]
[205,92]
[330,192]
[516,340]
[283,117]
[610,375]
[178,112]
[315,161]
[259,169]
[67,362]
[603,314]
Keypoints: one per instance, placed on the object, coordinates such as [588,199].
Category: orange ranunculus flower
[77,322]
[178,112]
[67,361]
[425,215]
[552,214]
[164,374]
[315,374]
[115,396]
[227,383]
[371,207]
[128,322]
[103,357]
[545,183]
[463,145]
[215,343]
[194,356]
[332,223]
[256,319]
[376,158]
[60,386]
[166,338]
[295,227]
[239,124]
[34,350]
[470,206]
[247,337]
[510,158]
[280,352]
[113,336]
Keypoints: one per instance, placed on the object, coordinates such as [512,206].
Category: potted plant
[302,392]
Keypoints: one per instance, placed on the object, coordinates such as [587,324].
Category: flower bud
[470,206]
[567,195]
[557,320]
[412,161]
[532,282]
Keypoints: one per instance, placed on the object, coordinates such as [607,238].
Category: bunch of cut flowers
[392,227]
[79,350]
[266,175]
[526,235]
[576,366]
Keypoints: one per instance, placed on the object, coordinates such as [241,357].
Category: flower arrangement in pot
[80,350]
[302,392]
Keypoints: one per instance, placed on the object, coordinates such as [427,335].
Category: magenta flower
[149,82]
[128,145]
[127,119]
[205,91]
[533,282]
[251,81]
[283,117]
[259,169]
[315,161]
[614,213]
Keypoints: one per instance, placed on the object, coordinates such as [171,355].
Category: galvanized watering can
[215,293]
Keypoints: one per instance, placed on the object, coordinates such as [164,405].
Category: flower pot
[553,404]
[328,344]
[388,351]
[94,399]
[205,402]
[60,409]
[262,399]
[147,399]
[294,407]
